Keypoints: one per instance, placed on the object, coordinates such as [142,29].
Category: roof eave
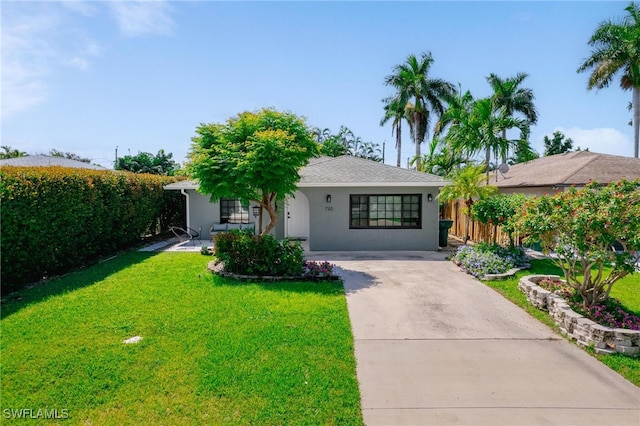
[372,184]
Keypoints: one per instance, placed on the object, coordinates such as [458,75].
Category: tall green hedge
[57,218]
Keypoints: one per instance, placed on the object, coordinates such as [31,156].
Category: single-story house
[47,161]
[342,203]
[556,173]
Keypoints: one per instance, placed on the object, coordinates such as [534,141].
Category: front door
[297,216]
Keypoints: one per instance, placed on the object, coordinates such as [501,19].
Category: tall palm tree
[475,125]
[467,184]
[394,110]
[616,51]
[457,119]
[412,82]
[510,98]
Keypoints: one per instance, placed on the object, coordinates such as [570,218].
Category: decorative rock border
[583,330]
[218,269]
[511,272]
[493,277]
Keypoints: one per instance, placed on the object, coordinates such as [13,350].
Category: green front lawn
[213,351]
[627,290]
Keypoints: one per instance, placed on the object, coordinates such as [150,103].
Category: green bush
[56,218]
[248,254]
[499,210]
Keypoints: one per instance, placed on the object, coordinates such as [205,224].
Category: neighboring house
[46,161]
[342,203]
[555,173]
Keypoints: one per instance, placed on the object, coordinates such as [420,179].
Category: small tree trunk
[273,214]
[487,161]
[399,143]
[506,156]
[468,203]
[416,138]
[636,120]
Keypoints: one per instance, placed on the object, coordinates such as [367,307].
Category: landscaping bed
[584,330]
[490,261]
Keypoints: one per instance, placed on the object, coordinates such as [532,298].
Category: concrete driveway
[436,347]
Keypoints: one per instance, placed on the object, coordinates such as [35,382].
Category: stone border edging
[493,277]
[218,269]
[605,340]
[510,273]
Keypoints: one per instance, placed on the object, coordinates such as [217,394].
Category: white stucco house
[342,203]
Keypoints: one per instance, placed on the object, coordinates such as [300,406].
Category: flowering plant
[479,263]
[583,227]
[611,314]
[316,269]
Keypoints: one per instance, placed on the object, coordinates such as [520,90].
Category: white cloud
[603,140]
[26,54]
[38,39]
[136,18]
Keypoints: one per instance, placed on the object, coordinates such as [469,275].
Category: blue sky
[87,76]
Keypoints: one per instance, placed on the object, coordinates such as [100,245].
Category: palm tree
[10,152]
[491,126]
[394,110]
[475,126]
[457,119]
[467,184]
[441,160]
[616,51]
[412,82]
[509,97]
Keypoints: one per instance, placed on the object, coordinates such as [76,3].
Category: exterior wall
[203,213]
[329,223]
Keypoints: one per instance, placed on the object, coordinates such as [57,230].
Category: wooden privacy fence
[457,211]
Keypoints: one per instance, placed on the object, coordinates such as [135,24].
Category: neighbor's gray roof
[350,171]
[45,161]
[571,168]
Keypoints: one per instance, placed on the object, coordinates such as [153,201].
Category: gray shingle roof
[347,170]
[46,161]
[350,171]
[571,168]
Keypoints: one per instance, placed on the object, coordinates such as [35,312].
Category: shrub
[480,263]
[248,254]
[515,255]
[583,227]
[499,210]
[609,314]
[315,269]
[57,218]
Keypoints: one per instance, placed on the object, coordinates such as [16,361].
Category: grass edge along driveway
[213,351]
[626,290]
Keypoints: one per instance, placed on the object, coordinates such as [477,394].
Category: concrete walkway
[436,347]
